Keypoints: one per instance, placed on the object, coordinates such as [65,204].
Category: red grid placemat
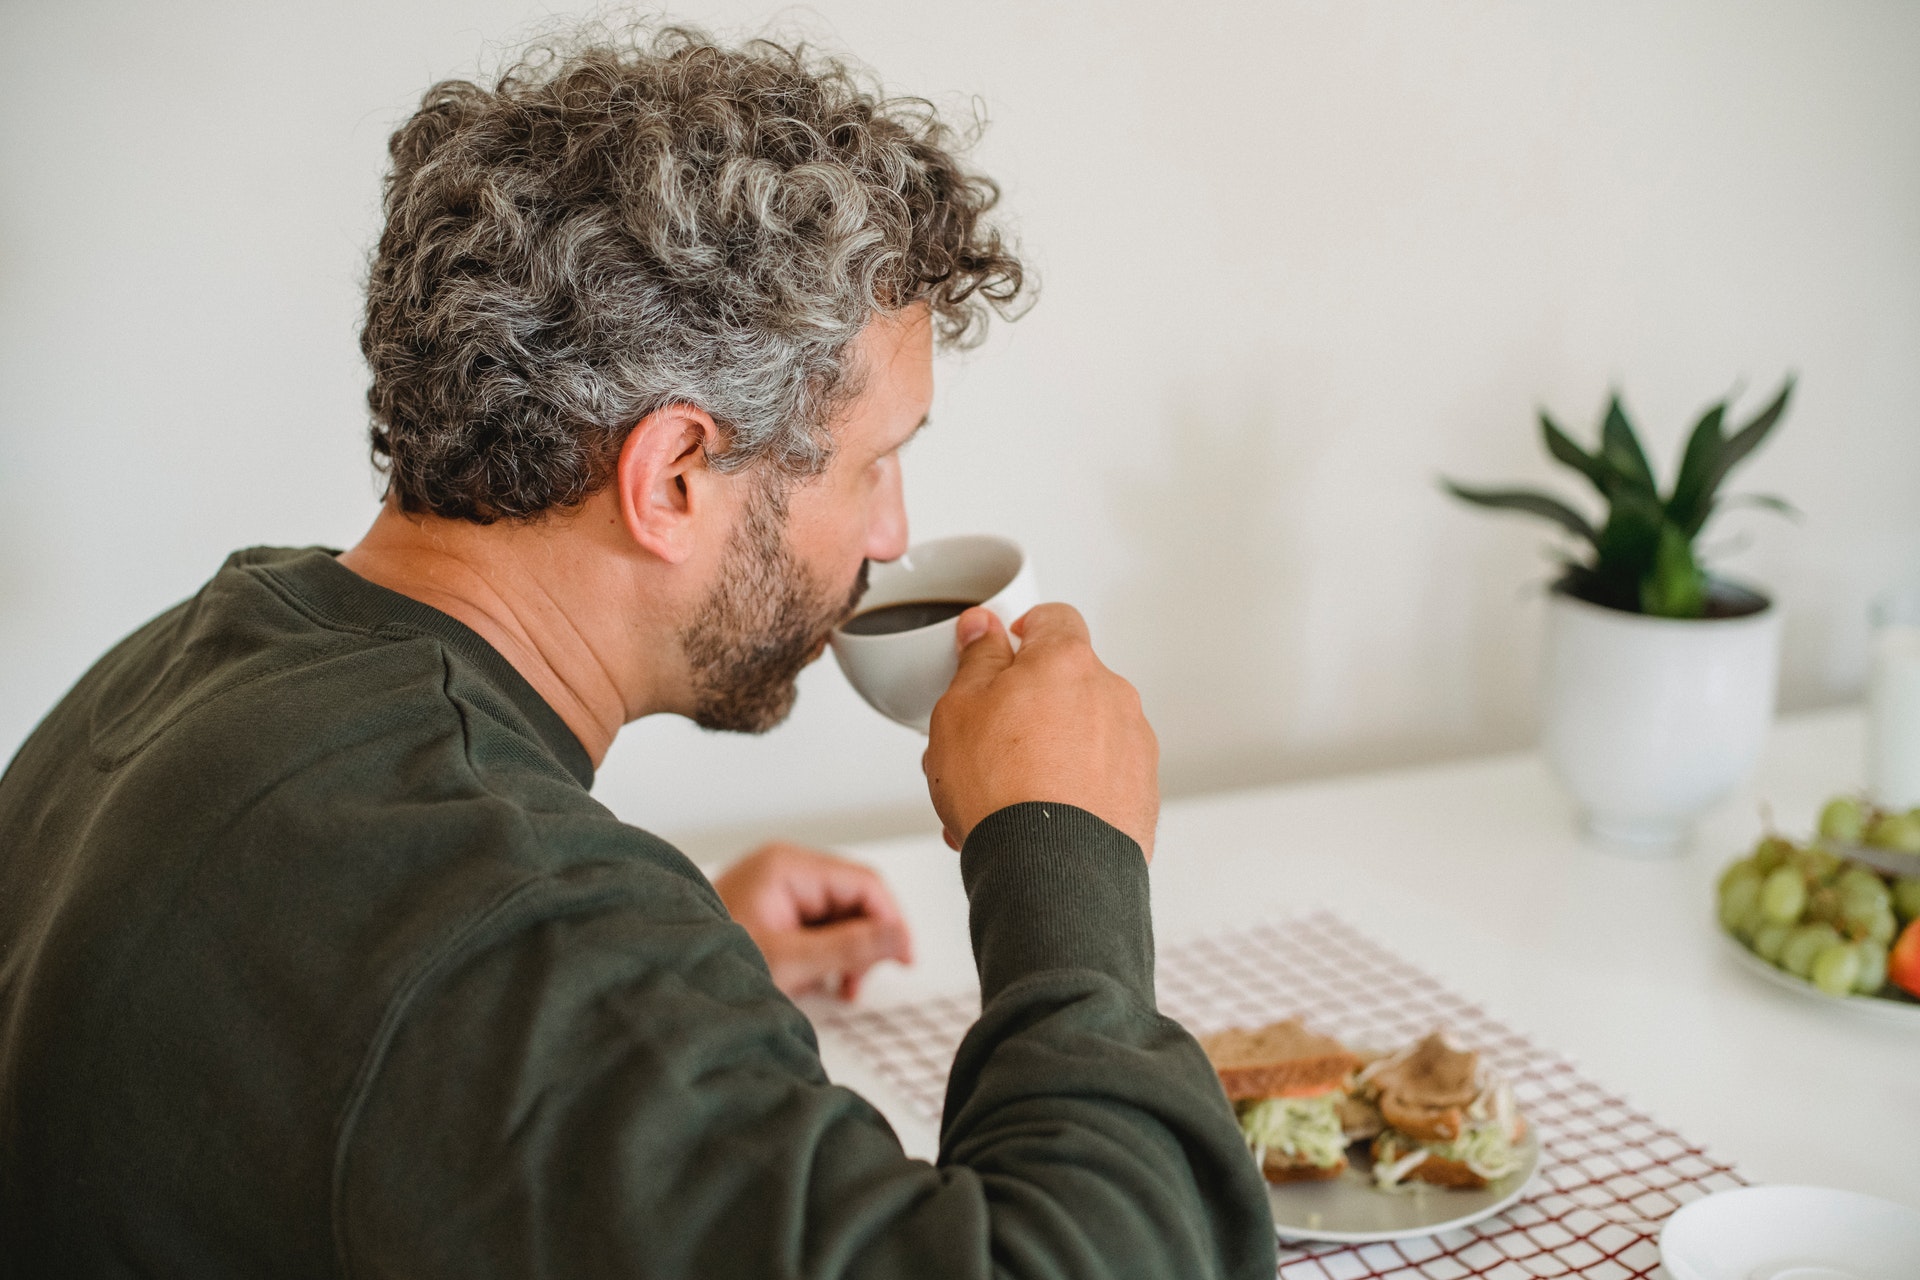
[1608,1175]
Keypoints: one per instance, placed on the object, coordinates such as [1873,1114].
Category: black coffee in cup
[908,615]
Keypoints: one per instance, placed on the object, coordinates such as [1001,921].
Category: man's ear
[667,491]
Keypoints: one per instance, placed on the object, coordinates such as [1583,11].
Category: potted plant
[1659,676]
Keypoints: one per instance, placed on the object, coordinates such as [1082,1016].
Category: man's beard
[763,622]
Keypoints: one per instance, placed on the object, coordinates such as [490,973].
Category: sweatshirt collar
[317,576]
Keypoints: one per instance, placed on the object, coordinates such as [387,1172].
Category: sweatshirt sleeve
[603,1081]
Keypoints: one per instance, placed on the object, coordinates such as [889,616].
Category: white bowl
[1792,1233]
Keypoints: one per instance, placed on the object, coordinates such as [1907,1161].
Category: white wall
[1298,259]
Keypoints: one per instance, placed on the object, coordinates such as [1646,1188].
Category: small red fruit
[1903,962]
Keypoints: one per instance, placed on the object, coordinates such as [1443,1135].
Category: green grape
[1879,927]
[1803,944]
[1843,819]
[1865,907]
[1836,969]
[1873,967]
[1815,863]
[1770,853]
[1783,895]
[1768,939]
[1896,831]
[1739,896]
[1906,897]
[1863,882]
[1737,868]
[1823,903]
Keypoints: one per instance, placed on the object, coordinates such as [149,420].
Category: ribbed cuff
[1050,886]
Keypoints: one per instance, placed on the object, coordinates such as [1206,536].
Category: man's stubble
[763,622]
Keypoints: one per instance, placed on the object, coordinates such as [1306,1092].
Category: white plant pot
[1650,721]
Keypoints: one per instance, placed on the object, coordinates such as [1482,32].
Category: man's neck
[529,591]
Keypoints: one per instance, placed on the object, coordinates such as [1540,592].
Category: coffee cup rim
[934,546]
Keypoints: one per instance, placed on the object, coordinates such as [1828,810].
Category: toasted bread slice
[1429,1073]
[1436,1169]
[1428,1124]
[1279,1168]
[1442,1172]
[1281,1059]
[1359,1119]
[1425,1089]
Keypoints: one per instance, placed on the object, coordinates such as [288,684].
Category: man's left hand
[820,921]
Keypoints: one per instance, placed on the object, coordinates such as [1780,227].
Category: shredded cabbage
[1486,1148]
[1389,1174]
[1306,1128]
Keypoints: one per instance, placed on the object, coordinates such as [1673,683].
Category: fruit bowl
[1889,1004]
[1844,927]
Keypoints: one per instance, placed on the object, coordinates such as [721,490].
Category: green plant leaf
[1620,450]
[1738,446]
[1528,502]
[1696,463]
[1675,588]
[1775,504]
[1562,447]
[1627,544]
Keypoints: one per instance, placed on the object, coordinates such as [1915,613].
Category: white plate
[1351,1210]
[1791,1233]
[1881,1008]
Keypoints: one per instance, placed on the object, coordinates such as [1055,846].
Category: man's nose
[887,531]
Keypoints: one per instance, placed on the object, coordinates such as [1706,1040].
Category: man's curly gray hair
[619,226]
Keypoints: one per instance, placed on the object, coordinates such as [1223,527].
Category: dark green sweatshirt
[317,959]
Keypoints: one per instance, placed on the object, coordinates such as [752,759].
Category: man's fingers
[985,650]
[808,959]
[1052,622]
[972,623]
[827,888]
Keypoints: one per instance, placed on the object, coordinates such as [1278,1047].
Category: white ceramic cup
[903,673]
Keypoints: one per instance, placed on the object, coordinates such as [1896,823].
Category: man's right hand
[1049,722]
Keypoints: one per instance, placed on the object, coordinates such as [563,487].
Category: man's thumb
[985,650]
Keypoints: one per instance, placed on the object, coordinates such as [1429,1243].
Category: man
[316,957]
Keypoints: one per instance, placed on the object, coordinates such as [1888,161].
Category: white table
[1474,872]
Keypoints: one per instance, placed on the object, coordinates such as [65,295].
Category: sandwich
[1448,1119]
[1287,1086]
